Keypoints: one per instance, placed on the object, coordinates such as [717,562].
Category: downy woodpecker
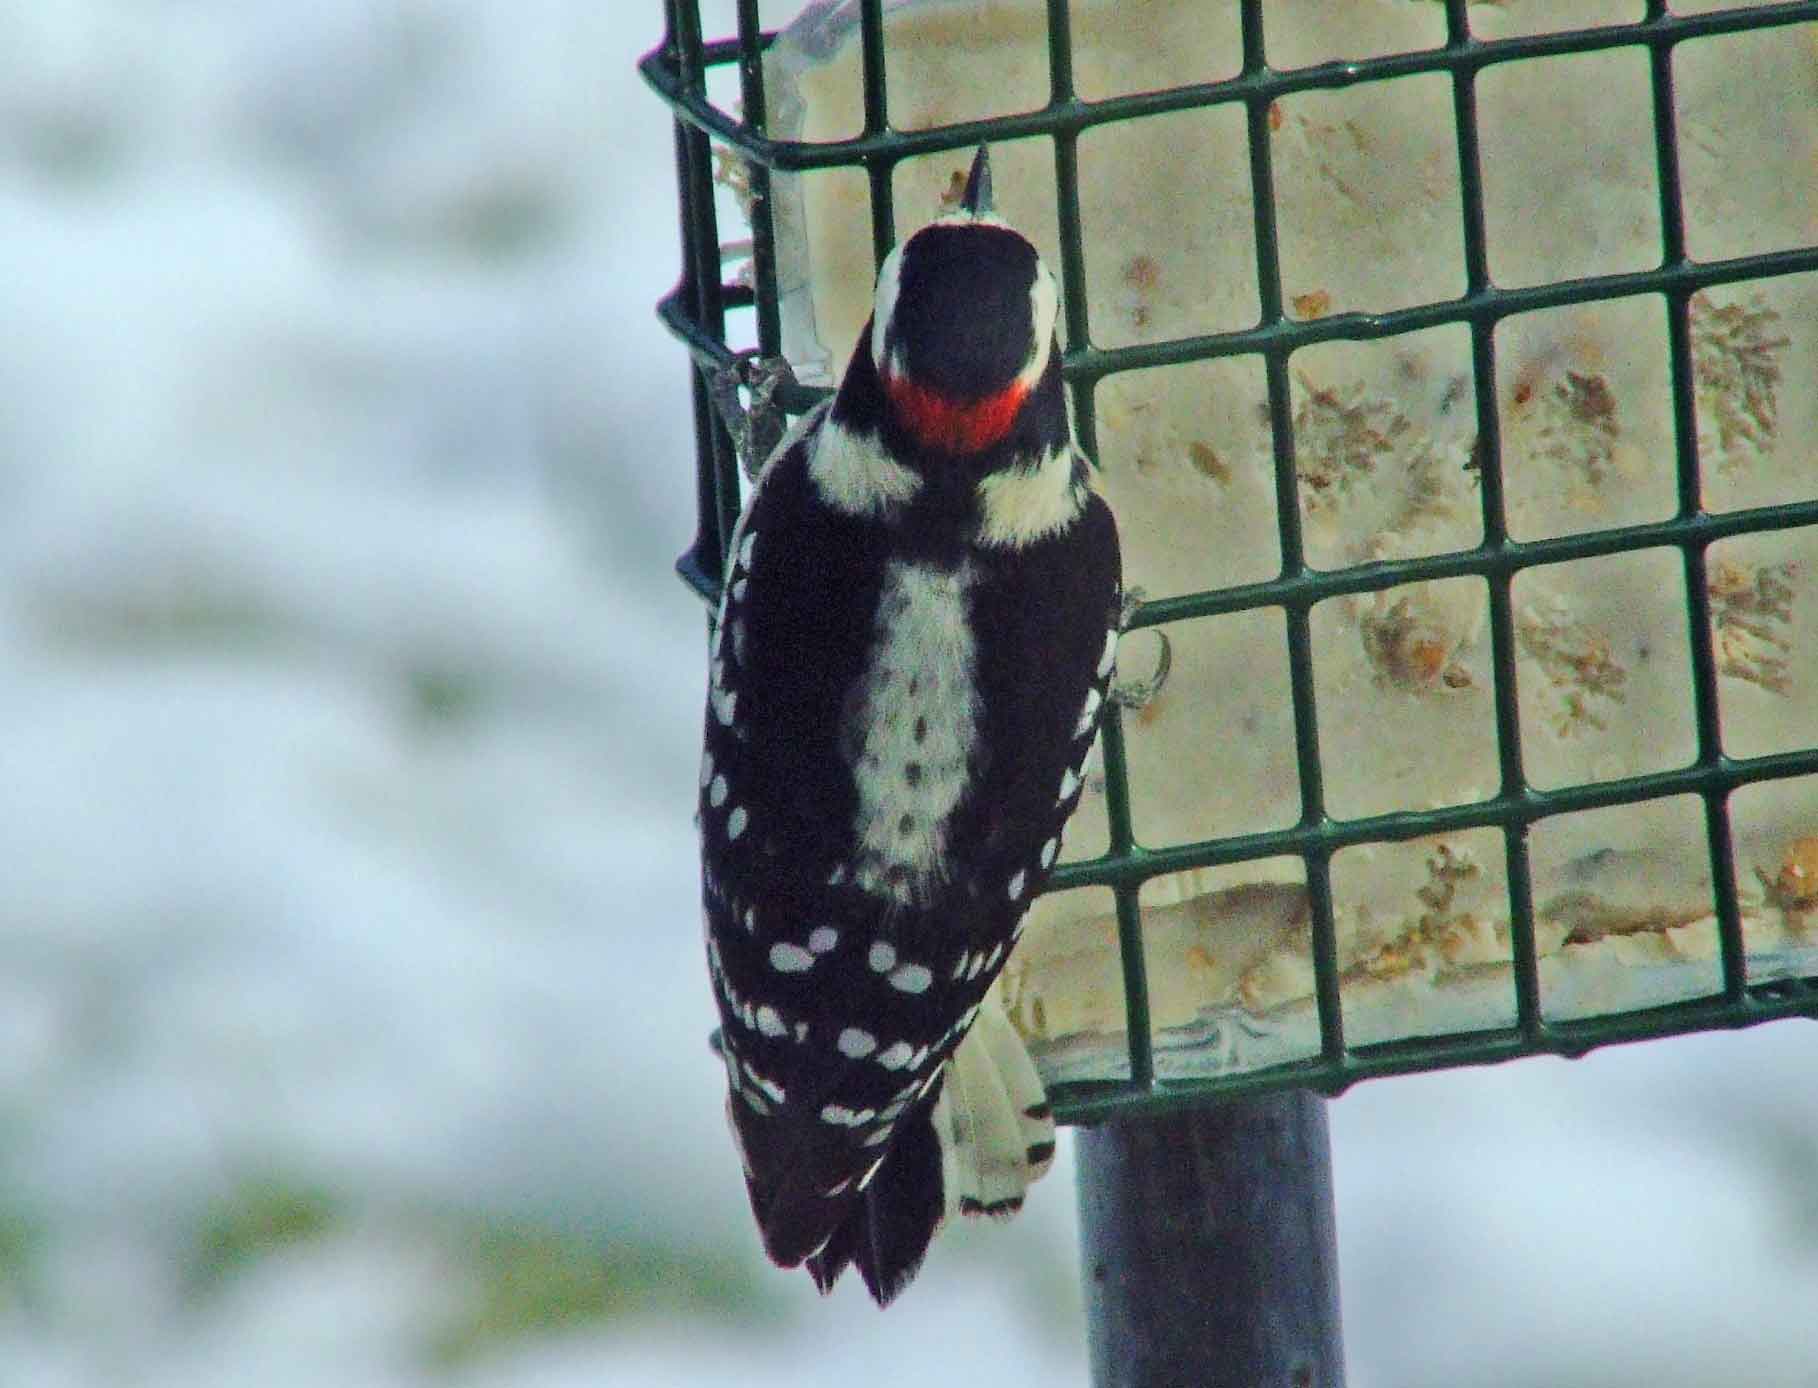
[908,670]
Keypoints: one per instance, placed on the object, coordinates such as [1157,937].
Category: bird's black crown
[964,320]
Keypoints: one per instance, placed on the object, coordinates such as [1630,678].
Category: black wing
[838,1006]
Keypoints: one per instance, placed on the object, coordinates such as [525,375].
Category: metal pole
[1210,1249]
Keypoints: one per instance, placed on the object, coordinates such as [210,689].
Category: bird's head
[962,331]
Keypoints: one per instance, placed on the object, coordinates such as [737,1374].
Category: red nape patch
[955,426]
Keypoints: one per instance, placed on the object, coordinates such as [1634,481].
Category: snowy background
[352,1019]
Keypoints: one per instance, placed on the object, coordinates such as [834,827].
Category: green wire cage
[697,312]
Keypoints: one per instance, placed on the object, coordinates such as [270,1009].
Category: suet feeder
[1450,368]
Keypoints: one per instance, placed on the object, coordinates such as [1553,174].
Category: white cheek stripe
[1021,505]
[1044,308]
[854,476]
[889,282]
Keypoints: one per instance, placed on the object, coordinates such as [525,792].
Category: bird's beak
[977,198]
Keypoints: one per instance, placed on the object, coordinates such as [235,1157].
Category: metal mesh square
[696,312]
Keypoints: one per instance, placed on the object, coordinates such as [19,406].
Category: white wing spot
[706,769]
[882,957]
[769,1022]
[975,966]
[1086,715]
[1109,658]
[790,959]
[738,591]
[895,1057]
[746,548]
[856,1043]
[837,876]
[880,1137]
[1017,883]
[751,919]
[754,1101]
[736,822]
[838,1188]
[823,938]
[1069,784]
[843,1117]
[725,704]
[716,796]
[769,1086]
[1049,849]
[911,978]
[959,966]
[997,953]
[801,1032]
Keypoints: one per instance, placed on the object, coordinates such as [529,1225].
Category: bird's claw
[758,426]
[1135,694]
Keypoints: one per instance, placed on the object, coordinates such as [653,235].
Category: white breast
[913,727]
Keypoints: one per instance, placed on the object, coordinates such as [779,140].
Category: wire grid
[696,312]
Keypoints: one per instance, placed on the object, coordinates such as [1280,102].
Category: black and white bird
[908,670]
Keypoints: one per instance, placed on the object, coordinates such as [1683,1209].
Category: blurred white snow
[349,954]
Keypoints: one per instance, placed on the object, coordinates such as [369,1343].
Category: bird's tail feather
[888,1232]
[987,1137]
[996,1128]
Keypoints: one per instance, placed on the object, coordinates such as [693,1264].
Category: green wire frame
[696,313]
